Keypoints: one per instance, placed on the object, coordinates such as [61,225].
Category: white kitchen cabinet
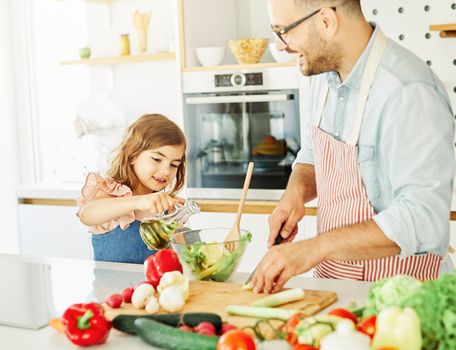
[46,230]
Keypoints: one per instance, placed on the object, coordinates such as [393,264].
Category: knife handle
[278,239]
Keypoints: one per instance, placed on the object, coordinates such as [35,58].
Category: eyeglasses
[293,25]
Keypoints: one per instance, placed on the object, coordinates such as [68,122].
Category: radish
[227,327]
[114,300]
[127,293]
[205,328]
[186,328]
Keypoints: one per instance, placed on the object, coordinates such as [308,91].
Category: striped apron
[342,198]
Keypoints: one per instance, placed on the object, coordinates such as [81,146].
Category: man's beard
[323,58]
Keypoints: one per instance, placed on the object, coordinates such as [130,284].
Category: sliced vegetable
[170,338]
[344,313]
[236,340]
[280,298]
[260,312]
[311,330]
[124,323]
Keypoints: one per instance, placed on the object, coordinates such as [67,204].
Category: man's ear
[329,21]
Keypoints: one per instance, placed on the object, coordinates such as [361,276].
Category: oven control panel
[238,79]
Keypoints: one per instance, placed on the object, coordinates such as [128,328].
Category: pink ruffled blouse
[95,183]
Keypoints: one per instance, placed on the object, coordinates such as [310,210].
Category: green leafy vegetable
[212,261]
[433,301]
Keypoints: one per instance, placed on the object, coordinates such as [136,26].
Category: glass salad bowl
[203,253]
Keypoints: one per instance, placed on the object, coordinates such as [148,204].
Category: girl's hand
[157,202]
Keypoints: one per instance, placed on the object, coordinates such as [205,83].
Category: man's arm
[301,188]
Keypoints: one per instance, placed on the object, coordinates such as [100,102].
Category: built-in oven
[233,118]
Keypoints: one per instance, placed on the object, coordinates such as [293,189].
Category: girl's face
[156,168]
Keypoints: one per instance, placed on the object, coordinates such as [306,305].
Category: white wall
[8,145]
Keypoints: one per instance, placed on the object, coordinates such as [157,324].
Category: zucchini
[170,338]
[124,323]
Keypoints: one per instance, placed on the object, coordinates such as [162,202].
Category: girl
[150,159]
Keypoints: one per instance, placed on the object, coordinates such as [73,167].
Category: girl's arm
[105,208]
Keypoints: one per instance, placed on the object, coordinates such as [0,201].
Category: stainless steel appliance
[236,117]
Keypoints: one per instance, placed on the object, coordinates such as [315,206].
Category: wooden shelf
[160,56]
[446,30]
[240,66]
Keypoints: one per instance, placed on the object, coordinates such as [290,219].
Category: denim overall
[119,245]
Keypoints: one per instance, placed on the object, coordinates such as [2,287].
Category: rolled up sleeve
[416,150]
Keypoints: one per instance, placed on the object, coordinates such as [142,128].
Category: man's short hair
[351,6]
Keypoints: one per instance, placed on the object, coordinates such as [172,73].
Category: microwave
[231,119]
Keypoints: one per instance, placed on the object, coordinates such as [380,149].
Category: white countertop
[71,281]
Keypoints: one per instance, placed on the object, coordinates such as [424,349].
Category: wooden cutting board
[216,296]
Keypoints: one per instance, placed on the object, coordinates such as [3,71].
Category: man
[378,153]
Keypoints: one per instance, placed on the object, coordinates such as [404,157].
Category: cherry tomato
[236,340]
[367,326]
[344,313]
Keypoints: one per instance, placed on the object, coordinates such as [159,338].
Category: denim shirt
[405,149]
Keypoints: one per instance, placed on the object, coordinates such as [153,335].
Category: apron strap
[366,81]
[368,77]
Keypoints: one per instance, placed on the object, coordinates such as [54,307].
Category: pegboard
[407,22]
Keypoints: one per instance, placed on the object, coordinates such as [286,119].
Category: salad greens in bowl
[204,255]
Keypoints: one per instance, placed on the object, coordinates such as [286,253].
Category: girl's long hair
[150,131]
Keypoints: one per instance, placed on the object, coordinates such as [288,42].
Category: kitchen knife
[278,240]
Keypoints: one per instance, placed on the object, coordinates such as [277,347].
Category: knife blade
[278,240]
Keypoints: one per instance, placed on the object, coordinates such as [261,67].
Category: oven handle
[237,99]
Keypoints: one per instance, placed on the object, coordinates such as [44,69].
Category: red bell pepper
[165,260]
[85,324]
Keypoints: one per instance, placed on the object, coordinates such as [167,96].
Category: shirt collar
[354,77]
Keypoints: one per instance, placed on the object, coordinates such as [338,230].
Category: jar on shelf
[156,230]
[124,45]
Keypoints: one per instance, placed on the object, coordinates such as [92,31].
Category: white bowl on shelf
[281,56]
[210,56]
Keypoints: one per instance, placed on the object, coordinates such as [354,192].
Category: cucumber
[124,323]
[170,338]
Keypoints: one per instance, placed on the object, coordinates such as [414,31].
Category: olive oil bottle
[156,231]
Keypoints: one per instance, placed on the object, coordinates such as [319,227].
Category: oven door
[227,130]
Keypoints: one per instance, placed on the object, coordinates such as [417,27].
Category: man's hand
[283,262]
[284,219]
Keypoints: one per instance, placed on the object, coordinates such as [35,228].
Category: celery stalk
[260,312]
[280,298]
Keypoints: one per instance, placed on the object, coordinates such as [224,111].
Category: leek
[260,312]
[280,298]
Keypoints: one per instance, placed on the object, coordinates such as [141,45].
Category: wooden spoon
[235,232]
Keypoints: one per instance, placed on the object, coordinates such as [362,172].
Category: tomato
[367,326]
[304,347]
[290,326]
[293,322]
[344,313]
[236,340]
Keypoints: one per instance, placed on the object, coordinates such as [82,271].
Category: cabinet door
[55,231]
[257,224]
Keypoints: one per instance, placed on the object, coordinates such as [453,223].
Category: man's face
[315,54]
